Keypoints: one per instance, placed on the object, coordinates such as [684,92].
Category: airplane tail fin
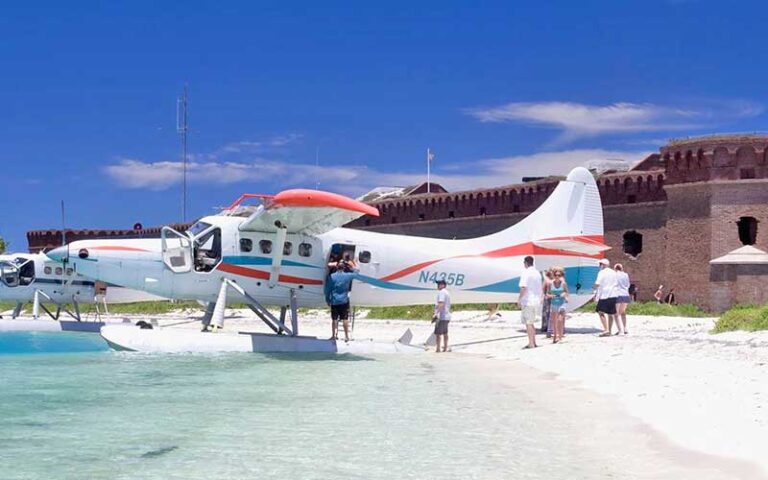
[570,219]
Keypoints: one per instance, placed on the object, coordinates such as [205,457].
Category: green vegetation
[655,309]
[145,308]
[3,245]
[424,312]
[743,317]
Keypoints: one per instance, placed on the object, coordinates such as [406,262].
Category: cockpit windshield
[198,228]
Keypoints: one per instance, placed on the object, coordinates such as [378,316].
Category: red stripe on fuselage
[527,248]
[116,248]
[262,275]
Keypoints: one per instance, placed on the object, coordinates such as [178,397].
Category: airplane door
[177,250]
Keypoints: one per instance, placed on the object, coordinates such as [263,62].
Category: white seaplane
[33,277]
[275,254]
[37,279]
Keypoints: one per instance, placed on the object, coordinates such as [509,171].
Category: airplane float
[275,253]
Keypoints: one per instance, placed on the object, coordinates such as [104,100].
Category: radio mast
[182,128]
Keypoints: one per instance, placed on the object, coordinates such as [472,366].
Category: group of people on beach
[546,296]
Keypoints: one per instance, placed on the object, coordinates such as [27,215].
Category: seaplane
[35,278]
[55,290]
[273,250]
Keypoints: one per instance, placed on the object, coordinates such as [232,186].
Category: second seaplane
[275,252]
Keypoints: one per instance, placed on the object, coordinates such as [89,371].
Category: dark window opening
[394,220]
[207,250]
[633,243]
[421,216]
[451,214]
[482,211]
[516,208]
[246,245]
[287,248]
[747,173]
[305,250]
[747,230]
[631,199]
[265,246]
[365,256]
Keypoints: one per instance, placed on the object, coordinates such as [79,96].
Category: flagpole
[428,165]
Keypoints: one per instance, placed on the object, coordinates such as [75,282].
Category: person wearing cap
[442,315]
[606,291]
[529,300]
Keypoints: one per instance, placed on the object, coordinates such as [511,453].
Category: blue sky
[497,89]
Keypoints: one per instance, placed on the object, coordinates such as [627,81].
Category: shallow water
[102,414]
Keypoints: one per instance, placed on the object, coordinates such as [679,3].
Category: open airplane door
[177,250]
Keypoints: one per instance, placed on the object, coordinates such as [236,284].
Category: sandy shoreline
[704,393]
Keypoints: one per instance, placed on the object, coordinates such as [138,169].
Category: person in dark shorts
[338,285]
[442,316]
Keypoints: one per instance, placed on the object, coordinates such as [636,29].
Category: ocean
[72,409]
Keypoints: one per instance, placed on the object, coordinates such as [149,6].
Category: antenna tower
[182,127]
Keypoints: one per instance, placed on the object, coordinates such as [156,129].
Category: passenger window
[246,245]
[59,270]
[305,249]
[265,246]
[287,248]
[365,256]
[69,271]
[47,270]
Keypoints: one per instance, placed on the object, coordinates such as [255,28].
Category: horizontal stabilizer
[581,245]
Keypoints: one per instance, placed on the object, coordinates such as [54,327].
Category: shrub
[743,317]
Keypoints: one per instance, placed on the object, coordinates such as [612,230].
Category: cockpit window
[198,227]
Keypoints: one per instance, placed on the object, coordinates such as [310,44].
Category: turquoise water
[96,414]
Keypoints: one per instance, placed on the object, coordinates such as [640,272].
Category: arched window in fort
[688,159]
[747,230]
[633,243]
[678,162]
[421,217]
[451,214]
[700,158]
[722,157]
[482,211]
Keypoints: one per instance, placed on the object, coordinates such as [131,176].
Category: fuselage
[394,269]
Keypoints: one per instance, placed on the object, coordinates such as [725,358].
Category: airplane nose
[58,254]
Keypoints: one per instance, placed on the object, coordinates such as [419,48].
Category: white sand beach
[704,392]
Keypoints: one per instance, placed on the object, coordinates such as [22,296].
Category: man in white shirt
[606,290]
[530,298]
[442,315]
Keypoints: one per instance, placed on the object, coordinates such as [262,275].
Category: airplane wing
[583,245]
[309,212]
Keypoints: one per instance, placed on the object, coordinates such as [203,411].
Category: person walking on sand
[623,299]
[558,296]
[529,300]
[606,292]
[442,316]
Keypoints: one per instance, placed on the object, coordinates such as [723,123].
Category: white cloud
[354,180]
[577,120]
